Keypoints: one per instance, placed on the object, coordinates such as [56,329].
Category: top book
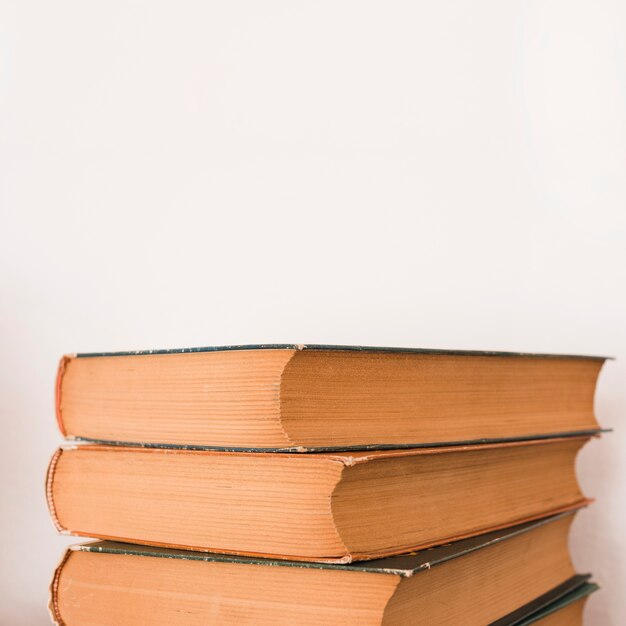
[312,397]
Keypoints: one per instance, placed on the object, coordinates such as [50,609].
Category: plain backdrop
[430,174]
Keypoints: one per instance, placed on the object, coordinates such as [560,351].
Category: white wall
[438,174]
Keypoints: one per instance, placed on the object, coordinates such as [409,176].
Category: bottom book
[518,576]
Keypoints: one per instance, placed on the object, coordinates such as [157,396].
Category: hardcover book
[504,578]
[319,506]
[300,398]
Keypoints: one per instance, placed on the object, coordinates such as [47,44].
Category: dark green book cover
[332,347]
[574,590]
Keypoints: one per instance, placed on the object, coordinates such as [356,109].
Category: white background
[432,174]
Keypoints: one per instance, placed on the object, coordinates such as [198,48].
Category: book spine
[57,393]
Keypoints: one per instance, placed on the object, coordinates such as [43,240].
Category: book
[339,507]
[503,578]
[300,398]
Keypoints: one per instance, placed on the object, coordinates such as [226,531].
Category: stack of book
[292,484]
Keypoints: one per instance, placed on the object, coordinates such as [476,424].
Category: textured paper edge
[53,602]
[57,394]
[49,485]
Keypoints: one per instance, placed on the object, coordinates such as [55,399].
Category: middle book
[339,507]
